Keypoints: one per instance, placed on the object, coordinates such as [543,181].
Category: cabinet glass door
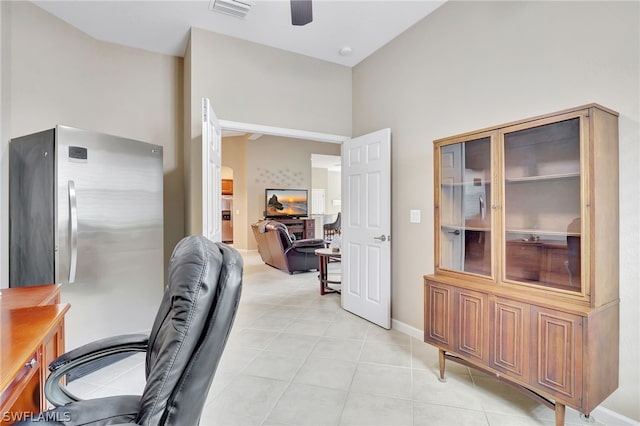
[465,193]
[542,222]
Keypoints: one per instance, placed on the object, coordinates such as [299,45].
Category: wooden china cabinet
[526,255]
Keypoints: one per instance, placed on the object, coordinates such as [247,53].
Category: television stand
[302,228]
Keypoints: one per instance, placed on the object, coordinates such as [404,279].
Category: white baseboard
[600,414]
[611,418]
[407,329]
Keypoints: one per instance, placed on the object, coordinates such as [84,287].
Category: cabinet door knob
[31,363]
[456,232]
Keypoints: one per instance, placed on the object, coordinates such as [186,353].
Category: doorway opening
[326,184]
[226,204]
[265,157]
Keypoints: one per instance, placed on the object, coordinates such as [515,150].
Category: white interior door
[211,173]
[366,227]
[317,201]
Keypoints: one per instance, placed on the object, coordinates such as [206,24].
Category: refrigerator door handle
[73,234]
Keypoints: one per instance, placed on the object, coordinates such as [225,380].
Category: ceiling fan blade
[301,12]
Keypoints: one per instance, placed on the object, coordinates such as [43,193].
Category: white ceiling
[163,26]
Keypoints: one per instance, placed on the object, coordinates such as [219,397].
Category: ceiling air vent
[236,8]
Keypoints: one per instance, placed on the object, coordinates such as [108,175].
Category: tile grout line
[293,376]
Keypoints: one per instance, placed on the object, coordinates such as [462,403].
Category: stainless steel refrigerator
[85,210]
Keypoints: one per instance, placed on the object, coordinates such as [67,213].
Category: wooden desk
[30,338]
[324,255]
[25,297]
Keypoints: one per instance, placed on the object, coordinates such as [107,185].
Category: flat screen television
[286,203]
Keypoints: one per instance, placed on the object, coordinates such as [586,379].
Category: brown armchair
[277,249]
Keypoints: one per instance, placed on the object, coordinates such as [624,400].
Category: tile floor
[296,358]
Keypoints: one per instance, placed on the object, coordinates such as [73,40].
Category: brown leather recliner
[277,249]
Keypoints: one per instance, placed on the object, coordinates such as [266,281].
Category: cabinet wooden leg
[441,360]
[586,418]
[559,414]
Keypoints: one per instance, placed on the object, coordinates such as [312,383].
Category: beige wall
[318,178]
[59,75]
[257,84]
[226,172]
[276,162]
[334,191]
[475,64]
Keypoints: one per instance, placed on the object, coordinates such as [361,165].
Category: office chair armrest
[57,393]
[101,348]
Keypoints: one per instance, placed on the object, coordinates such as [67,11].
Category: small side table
[323,258]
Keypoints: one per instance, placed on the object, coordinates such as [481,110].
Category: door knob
[380,238]
[456,232]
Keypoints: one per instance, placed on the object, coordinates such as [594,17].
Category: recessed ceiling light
[345,51]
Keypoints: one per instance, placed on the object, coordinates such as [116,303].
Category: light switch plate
[414,216]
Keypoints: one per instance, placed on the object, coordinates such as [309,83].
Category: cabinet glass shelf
[533,231]
[466,228]
[461,184]
[542,177]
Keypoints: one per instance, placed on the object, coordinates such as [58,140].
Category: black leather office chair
[183,349]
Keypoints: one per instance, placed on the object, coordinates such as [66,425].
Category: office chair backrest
[190,331]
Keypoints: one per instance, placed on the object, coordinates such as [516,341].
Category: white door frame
[263,130]
[281,131]
[275,131]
